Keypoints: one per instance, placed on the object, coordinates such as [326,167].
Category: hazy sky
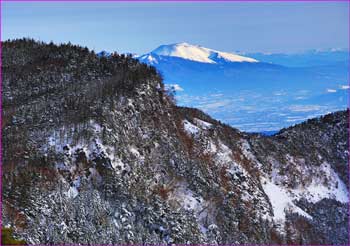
[141,27]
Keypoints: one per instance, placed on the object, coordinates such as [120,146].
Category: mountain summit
[195,53]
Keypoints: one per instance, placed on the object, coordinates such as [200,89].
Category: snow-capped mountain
[194,53]
[253,94]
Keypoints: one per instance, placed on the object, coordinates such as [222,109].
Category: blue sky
[141,27]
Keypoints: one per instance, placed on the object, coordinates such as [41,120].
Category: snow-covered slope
[195,53]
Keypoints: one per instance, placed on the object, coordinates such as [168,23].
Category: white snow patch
[191,202]
[97,127]
[72,192]
[130,102]
[224,154]
[134,151]
[247,152]
[212,148]
[51,141]
[318,190]
[203,124]
[108,152]
[63,227]
[117,163]
[325,184]
[281,201]
[188,200]
[190,128]
[148,58]
[151,59]
[76,182]
[233,57]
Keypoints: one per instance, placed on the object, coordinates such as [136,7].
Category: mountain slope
[95,151]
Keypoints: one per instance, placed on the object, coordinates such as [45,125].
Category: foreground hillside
[95,151]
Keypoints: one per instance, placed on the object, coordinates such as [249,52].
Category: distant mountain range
[254,92]
[305,59]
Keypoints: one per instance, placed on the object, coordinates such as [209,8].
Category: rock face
[95,151]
